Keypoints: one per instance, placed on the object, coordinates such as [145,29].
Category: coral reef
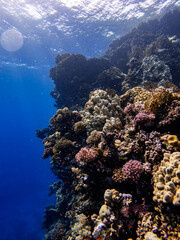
[85,155]
[167,180]
[159,99]
[149,52]
[132,170]
[159,224]
[116,155]
[102,111]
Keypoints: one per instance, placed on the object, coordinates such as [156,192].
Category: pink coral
[85,155]
[133,108]
[132,170]
[144,119]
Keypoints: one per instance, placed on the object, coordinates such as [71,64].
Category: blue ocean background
[26,104]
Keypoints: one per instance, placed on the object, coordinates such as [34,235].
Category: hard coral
[132,170]
[167,180]
[85,155]
[171,118]
[144,119]
[62,144]
[136,94]
[159,99]
[80,127]
[94,137]
[173,141]
[102,111]
[64,119]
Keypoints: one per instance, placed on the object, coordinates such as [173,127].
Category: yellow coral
[159,99]
[173,141]
[136,94]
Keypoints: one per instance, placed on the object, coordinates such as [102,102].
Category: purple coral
[85,155]
[132,170]
[133,109]
[144,119]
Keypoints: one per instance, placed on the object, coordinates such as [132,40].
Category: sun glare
[71,3]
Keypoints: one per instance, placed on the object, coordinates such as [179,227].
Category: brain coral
[167,180]
[102,111]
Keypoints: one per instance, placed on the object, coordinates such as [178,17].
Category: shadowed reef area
[114,141]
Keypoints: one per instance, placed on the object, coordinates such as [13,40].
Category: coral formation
[102,111]
[85,155]
[173,141]
[167,180]
[159,99]
[132,170]
[113,181]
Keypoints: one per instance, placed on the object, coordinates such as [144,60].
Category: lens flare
[11,40]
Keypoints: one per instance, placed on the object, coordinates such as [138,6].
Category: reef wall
[149,53]
[117,156]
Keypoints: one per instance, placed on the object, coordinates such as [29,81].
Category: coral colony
[114,141]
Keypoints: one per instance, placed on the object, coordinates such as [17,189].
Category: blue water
[25,106]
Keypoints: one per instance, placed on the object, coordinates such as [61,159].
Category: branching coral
[132,170]
[144,120]
[86,155]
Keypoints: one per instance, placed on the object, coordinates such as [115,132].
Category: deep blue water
[25,106]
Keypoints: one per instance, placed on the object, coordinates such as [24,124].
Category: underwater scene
[90,120]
